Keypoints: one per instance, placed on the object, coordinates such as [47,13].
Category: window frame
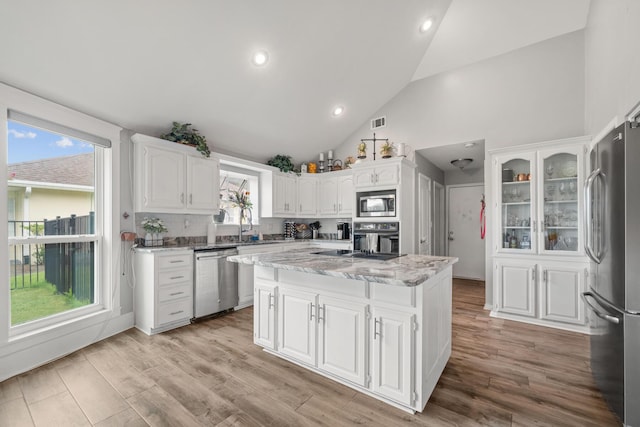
[67,326]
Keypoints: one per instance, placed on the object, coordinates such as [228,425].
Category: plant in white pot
[154,228]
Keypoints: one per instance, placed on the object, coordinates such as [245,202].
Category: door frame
[429,219]
[439,219]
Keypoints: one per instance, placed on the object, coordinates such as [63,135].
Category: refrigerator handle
[607,317]
[588,214]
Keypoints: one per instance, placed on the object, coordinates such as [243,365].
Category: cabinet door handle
[176,277]
[320,307]
[375,328]
[339,206]
[173,294]
[191,199]
[334,207]
[176,312]
[533,274]
[311,312]
[181,197]
[272,301]
[544,276]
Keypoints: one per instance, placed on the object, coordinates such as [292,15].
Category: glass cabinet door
[560,201]
[516,201]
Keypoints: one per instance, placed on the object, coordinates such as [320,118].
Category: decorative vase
[148,239]
[157,239]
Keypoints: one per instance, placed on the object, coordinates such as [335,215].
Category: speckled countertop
[201,246]
[407,270]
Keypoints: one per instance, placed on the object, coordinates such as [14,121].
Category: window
[236,180]
[55,229]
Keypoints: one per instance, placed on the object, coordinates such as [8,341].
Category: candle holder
[321,166]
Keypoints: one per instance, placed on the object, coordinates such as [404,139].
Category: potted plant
[282,162]
[386,150]
[154,227]
[181,133]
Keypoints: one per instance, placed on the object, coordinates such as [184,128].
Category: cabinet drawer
[175,276]
[173,311]
[175,261]
[170,293]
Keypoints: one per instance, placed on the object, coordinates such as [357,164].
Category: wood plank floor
[501,373]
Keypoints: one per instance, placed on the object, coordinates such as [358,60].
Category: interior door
[424,215]
[465,242]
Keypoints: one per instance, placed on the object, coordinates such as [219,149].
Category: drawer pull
[176,312]
[176,277]
[175,261]
[173,294]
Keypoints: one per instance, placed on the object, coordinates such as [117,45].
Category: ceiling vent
[380,122]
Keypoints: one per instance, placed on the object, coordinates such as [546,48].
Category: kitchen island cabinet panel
[297,311]
[264,314]
[393,348]
[342,327]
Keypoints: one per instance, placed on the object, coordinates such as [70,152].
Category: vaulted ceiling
[146,63]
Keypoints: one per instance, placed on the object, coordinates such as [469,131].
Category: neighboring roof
[73,170]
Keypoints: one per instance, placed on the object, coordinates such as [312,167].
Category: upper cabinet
[370,175]
[172,178]
[336,194]
[307,196]
[538,200]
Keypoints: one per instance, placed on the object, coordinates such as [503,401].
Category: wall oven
[376,237]
[376,203]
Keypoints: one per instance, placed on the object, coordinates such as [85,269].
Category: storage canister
[507,175]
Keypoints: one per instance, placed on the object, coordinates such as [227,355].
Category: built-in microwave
[376,203]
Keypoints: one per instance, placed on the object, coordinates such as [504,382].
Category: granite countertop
[201,246]
[407,270]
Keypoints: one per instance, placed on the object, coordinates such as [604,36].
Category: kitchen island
[380,327]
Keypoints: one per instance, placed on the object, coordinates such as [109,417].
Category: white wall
[529,95]
[612,62]
[470,176]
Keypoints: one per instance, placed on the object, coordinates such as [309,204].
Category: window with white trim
[55,184]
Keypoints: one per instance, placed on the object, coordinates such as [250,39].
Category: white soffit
[474,30]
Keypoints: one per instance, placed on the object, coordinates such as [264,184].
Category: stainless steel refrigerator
[612,241]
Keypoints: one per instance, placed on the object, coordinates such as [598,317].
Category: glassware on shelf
[549,171]
[549,191]
[563,191]
[573,190]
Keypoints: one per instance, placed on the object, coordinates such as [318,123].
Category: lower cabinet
[297,314]
[164,290]
[392,349]
[264,314]
[542,292]
[342,333]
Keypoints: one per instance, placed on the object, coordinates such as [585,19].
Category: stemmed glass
[563,191]
[549,171]
[573,190]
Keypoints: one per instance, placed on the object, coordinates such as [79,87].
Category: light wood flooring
[501,373]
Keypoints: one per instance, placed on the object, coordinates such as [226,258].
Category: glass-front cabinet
[539,200]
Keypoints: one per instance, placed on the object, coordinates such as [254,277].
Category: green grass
[38,300]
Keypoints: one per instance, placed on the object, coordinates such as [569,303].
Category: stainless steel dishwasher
[216,282]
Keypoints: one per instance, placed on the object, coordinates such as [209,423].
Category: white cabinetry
[164,290]
[393,341]
[297,325]
[307,196]
[390,341]
[173,178]
[342,327]
[336,194]
[376,176]
[264,314]
[537,245]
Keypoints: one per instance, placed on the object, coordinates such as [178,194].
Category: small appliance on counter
[344,230]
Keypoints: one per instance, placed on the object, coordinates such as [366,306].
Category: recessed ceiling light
[426,25]
[338,111]
[260,58]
